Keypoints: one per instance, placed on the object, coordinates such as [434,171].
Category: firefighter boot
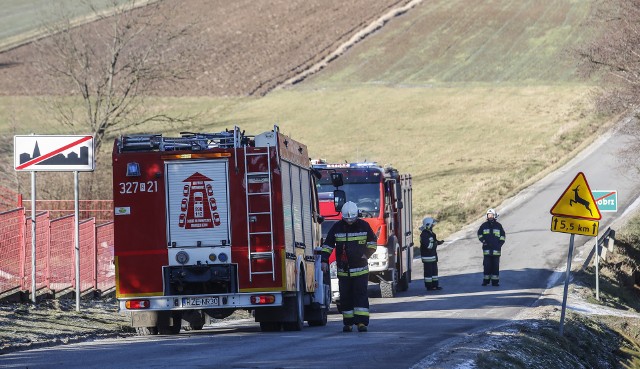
[362,327]
[346,328]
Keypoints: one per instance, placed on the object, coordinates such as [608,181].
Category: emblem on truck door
[198,204]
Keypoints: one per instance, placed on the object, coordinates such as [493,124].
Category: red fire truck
[384,200]
[206,224]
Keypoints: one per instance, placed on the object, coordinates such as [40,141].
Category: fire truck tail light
[223,257]
[263,299]
[212,257]
[137,304]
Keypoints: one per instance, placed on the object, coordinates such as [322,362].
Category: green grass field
[475,100]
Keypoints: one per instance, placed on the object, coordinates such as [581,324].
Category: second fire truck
[206,224]
[384,199]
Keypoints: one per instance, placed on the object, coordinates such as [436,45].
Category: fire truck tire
[146,331]
[296,308]
[174,327]
[322,311]
[319,322]
[270,326]
[404,281]
[319,316]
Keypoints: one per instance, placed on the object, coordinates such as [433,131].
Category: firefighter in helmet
[428,245]
[354,242]
[492,236]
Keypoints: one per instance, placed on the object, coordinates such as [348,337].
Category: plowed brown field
[242,47]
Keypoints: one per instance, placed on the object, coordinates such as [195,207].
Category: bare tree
[112,64]
[614,58]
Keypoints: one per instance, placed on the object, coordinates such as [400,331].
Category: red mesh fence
[101,210]
[11,249]
[42,251]
[55,253]
[62,255]
[106,269]
[87,255]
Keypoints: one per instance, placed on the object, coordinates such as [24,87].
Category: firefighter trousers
[354,301]
[491,265]
[431,273]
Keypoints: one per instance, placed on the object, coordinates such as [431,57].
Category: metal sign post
[597,267]
[566,285]
[77,238]
[33,237]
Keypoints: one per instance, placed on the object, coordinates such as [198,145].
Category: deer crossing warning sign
[577,201]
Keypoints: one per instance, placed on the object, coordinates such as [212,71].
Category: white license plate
[200,301]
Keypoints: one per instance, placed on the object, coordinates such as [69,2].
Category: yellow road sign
[577,201]
[574,226]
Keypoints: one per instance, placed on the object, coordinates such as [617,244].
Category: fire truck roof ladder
[189,141]
[259,176]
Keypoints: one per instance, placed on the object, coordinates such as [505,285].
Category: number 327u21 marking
[135,187]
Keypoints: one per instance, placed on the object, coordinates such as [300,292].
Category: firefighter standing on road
[492,236]
[354,242]
[428,245]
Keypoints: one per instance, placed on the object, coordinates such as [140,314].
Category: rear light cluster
[137,304]
[263,299]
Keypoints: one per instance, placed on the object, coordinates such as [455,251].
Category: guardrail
[55,259]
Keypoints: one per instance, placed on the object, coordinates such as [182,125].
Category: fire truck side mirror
[336,179]
[339,198]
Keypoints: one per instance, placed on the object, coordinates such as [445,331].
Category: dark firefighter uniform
[354,244]
[428,245]
[492,236]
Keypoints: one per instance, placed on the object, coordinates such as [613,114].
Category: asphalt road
[405,329]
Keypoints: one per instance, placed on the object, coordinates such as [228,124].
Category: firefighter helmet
[493,213]
[350,212]
[427,223]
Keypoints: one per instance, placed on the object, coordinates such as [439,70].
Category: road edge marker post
[596,247]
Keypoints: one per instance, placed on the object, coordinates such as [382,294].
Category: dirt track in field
[241,47]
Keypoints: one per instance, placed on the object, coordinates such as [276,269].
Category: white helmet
[427,223]
[350,212]
[492,212]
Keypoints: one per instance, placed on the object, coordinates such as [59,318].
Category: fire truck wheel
[146,331]
[404,281]
[270,326]
[321,313]
[175,326]
[297,310]
[319,322]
